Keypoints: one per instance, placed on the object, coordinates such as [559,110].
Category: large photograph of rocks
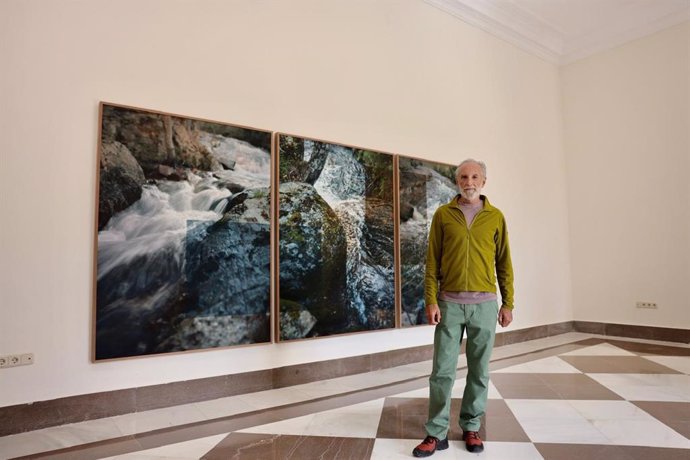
[183,244]
[336,239]
[424,186]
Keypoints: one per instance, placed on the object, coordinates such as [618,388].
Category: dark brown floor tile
[90,451]
[577,386]
[591,341]
[523,386]
[681,427]
[501,425]
[674,414]
[515,379]
[152,439]
[654,453]
[582,451]
[527,392]
[550,386]
[650,348]
[617,365]
[649,333]
[404,418]
[586,392]
[278,447]
[502,363]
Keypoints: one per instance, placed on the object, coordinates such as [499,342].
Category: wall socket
[17,360]
[646,305]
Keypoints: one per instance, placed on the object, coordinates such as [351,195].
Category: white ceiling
[563,31]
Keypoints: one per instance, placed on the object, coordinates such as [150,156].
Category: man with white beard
[468,252]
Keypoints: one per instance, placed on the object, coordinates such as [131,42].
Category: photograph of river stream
[183,259]
[424,186]
[336,238]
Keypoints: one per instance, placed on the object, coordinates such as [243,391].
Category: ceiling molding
[509,23]
[515,24]
[609,38]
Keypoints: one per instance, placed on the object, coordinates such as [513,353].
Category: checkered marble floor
[594,398]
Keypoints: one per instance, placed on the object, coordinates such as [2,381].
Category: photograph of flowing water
[336,237]
[183,257]
[424,186]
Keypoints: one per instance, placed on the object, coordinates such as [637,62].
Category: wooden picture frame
[183,240]
[336,239]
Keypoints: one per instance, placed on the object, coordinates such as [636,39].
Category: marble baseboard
[666,334]
[43,414]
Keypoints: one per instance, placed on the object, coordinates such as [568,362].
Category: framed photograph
[423,186]
[336,239]
[184,234]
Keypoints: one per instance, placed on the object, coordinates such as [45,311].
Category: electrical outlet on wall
[25,359]
[652,305]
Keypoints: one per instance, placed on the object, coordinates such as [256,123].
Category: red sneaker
[473,442]
[429,446]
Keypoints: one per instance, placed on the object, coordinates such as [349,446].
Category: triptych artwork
[203,226]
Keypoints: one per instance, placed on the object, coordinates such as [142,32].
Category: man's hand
[505,316]
[433,314]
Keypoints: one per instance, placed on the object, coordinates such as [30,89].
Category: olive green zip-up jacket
[461,259]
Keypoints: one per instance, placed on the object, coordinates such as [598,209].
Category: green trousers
[479,321]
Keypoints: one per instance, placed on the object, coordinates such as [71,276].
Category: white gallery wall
[395,75]
[628,167]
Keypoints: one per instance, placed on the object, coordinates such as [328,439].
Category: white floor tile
[609,410]
[188,450]
[498,451]
[223,407]
[551,365]
[274,398]
[623,423]
[391,449]
[555,421]
[420,393]
[354,425]
[358,420]
[459,388]
[678,363]
[603,349]
[541,408]
[341,384]
[141,422]
[647,387]
[296,426]
[57,437]
[601,422]
[650,433]
[554,430]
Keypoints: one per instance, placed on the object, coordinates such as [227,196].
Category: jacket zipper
[469,241]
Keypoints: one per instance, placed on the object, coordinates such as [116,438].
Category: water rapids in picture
[165,259]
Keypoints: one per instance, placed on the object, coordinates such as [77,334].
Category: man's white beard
[471,194]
